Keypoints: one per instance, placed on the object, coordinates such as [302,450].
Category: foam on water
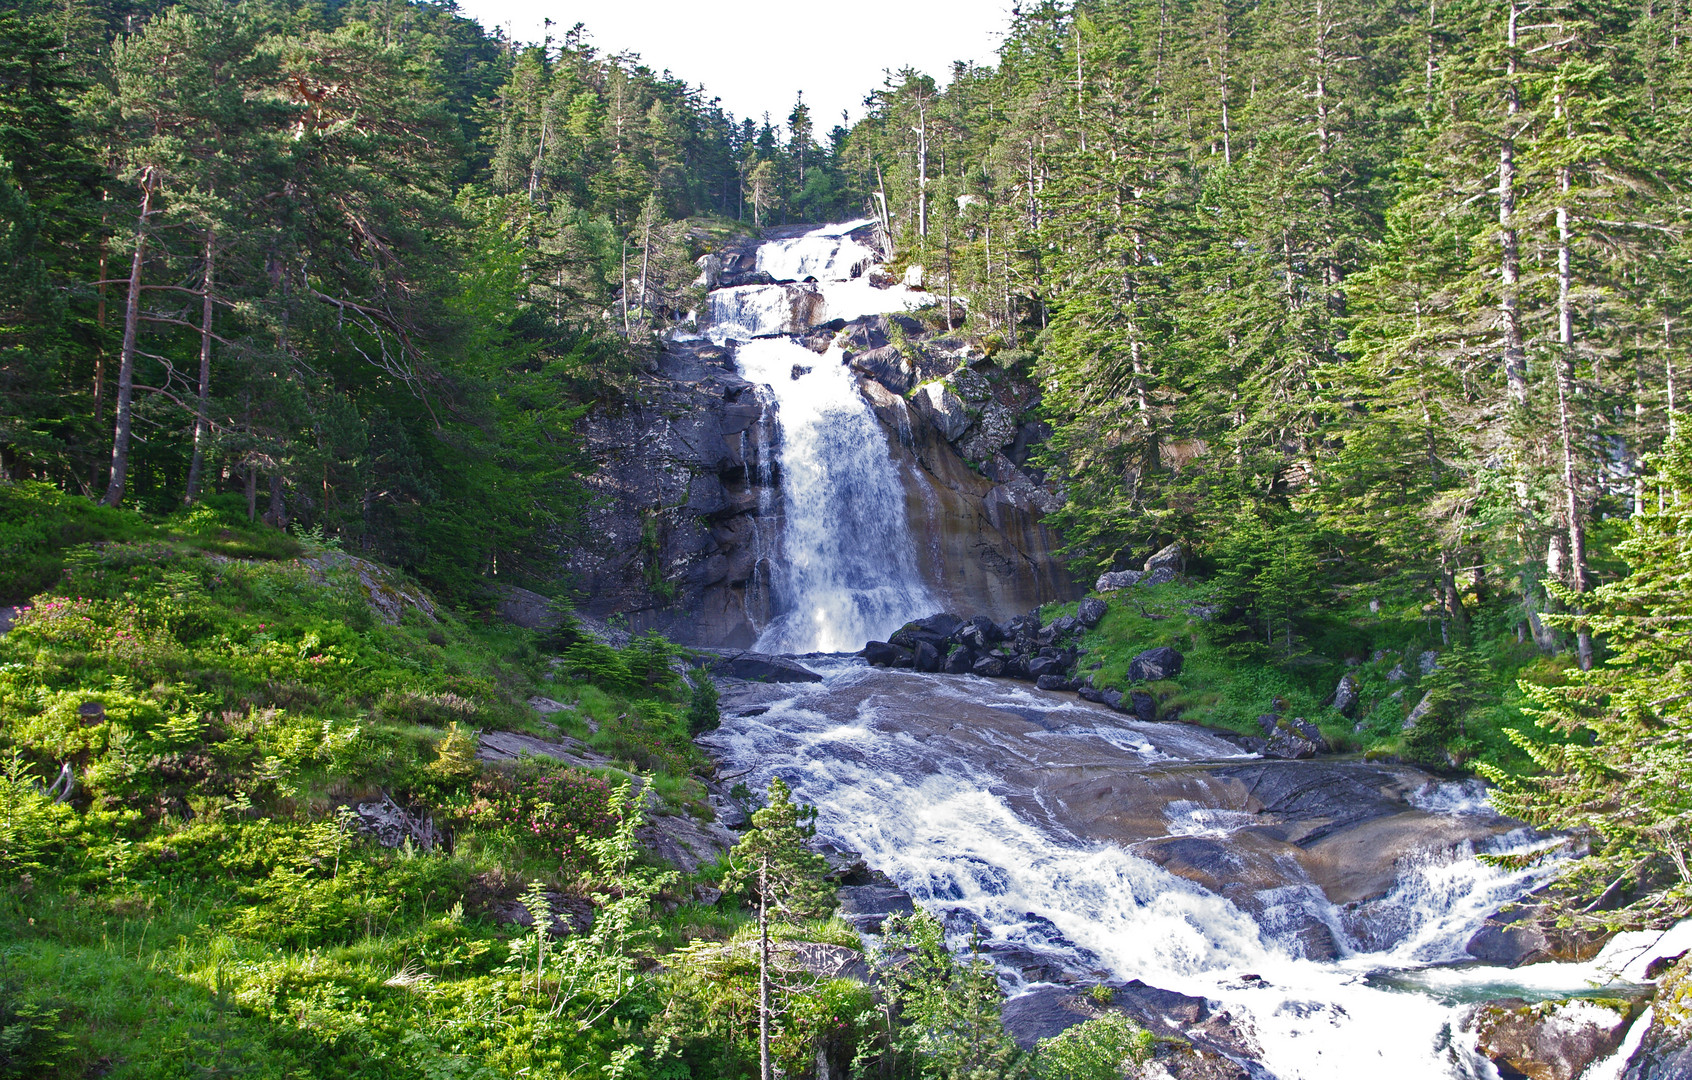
[949,833]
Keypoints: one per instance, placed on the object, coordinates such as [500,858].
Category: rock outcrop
[1550,1040]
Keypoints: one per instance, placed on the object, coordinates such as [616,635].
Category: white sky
[756,54]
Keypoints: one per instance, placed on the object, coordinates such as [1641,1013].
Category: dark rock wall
[688,511]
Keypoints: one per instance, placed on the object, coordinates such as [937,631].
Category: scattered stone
[1092,611]
[1428,662]
[1118,579]
[1292,739]
[1054,682]
[990,666]
[1345,695]
[1422,709]
[1397,674]
[960,661]
[1155,664]
[1550,1040]
[1167,558]
[1143,706]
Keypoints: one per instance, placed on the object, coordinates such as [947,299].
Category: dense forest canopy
[1378,308]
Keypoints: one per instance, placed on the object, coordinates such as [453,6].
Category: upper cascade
[820,276]
[825,254]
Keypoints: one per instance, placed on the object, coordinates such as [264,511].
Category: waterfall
[845,569]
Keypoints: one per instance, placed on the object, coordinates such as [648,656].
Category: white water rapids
[907,770]
[845,570]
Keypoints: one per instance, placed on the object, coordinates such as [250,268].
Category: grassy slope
[203,907]
[1228,681]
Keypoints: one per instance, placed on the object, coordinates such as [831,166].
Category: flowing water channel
[1019,817]
[1052,831]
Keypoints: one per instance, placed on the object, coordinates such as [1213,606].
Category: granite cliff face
[687,532]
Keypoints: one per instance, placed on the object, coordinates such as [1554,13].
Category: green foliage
[702,712]
[1616,771]
[772,864]
[1106,1047]
[950,1007]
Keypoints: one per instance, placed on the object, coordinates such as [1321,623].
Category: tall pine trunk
[126,357]
[1565,420]
[202,414]
[1509,262]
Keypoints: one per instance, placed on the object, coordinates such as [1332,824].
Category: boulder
[1550,1040]
[990,666]
[960,661]
[1422,709]
[925,657]
[1016,667]
[1112,698]
[758,667]
[1665,1053]
[945,410]
[1064,625]
[1397,674]
[913,276]
[1117,579]
[1526,933]
[1092,612]
[866,907]
[1195,1043]
[710,271]
[1054,682]
[1166,558]
[1042,666]
[1292,739]
[1163,575]
[886,654]
[1154,664]
[1428,661]
[886,366]
[1345,695]
[1143,706]
[994,429]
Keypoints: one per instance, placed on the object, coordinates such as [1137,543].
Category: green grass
[204,905]
[1229,678]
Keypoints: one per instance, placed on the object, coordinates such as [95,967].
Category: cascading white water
[845,569]
[974,834]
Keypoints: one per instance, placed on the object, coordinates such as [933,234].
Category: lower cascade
[847,571]
[1045,831]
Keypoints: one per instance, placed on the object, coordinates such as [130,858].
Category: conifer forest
[436,545]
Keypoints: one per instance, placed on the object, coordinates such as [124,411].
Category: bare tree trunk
[764,970]
[1565,421]
[922,173]
[1509,268]
[126,362]
[202,415]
